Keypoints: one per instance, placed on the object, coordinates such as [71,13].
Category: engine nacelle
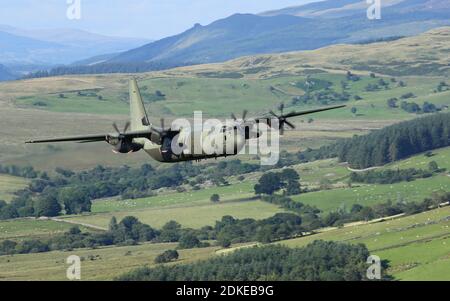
[124,146]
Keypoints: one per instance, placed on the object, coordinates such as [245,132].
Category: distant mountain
[6,74]
[57,46]
[305,27]
[422,55]
[341,8]
[317,8]
[237,35]
[98,59]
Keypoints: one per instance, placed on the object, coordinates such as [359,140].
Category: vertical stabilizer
[138,116]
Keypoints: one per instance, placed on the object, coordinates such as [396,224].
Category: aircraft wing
[283,118]
[295,114]
[98,138]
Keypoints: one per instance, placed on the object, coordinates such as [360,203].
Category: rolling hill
[342,8]
[6,74]
[244,83]
[57,46]
[303,28]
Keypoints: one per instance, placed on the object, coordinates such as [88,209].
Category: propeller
[125,128]
[243,123]
[122,144]
[163,124]
[282,119]
[244,115]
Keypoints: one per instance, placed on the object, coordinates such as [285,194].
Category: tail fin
[138,116]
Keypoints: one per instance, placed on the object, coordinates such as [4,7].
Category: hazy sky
[134,18]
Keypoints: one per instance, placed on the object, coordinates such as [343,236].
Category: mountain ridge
[6,74]
[248,34]
[57,46]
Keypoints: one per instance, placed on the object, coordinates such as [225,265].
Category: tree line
[69,192]
[389,144]
[227,231]
[318,261]
[129,67]
[389,208]
[390,176]
[130,231]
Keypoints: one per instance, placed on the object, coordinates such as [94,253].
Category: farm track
[78,223]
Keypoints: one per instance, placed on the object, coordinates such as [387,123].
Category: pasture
[194,216]
[417,246]
[97,264]
[26,228]
[10,184]
[370,194]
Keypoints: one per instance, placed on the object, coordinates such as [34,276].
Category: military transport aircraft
[158,142]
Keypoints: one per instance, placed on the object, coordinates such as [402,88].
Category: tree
[47,206]
[113,224]
[170,232]
[215,198]
[188,241]
[219,180]
[75,199]
[8,212]
[289,174]
[268,184]
[167,256]
[224,242]
[433,166]
[74,230]
[392,102]
[293,188]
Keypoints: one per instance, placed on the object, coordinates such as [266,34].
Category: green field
[174,199]
[72,103]
[194,216]
[370,194]
[10,184]
[31,228]
[215,96]
[97,264]
[441,156]
[417,247]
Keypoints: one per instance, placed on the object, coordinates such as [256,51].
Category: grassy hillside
[417,247]
[19,229]
[188,216]
[89,104]
[194,209]
[10,184]
[98,264]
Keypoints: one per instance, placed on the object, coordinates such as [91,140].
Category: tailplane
[138,116]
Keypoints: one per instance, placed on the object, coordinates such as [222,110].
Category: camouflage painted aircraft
[158,142]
